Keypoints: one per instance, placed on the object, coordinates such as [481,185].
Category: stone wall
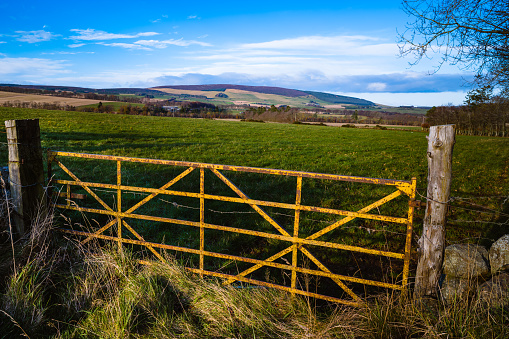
[473,270]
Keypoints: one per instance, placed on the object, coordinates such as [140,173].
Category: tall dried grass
[62,290]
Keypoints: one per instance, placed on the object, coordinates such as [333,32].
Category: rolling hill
[218,94]
[264,95]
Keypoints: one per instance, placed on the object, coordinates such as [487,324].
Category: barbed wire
[490,211]
[484,212]
[23,186]
[177,205]
[506,223]
[482,197]
[487,209]
[466,200]
[6,144]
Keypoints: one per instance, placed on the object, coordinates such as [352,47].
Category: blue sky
[343,47]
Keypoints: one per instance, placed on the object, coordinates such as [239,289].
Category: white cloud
[75,45]
[68,53]
[31,66]
[191,17]
[335,56]
[286,63]
[91,34]
[164,16]
[414,99]
[337,45]
[377,87]
[149,45]
[125,45]
[165,43]
[35,36]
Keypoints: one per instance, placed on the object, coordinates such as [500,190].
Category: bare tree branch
[468,32]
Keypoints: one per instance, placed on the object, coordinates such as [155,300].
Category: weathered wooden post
[431,244]
[26,172]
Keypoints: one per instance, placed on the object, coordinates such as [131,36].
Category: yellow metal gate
[295,243]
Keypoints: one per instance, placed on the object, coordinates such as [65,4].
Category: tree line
[186,109]
[289,114]
[482,114]
[70,94]
[38,105]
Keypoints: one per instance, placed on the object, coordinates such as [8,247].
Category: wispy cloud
[376,87]
[149,45]
[193,17]
[92,34]
[76,45]
[166,43]
[337,45]
[338,55]
[67,53]
[125,45]
[35,36]
[164,16]
[316,80]
[30,66]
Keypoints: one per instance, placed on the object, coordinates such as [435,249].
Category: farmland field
[480,170]
[236,96]
[12,97]
[480,163]
[115,104]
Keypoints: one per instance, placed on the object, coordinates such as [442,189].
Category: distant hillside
[258,89]
[265,95]
[132,91]
[53,88]
[340,99]
[114,91]
[327,97]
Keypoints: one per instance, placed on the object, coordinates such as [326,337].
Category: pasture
[480,174]
[116,105]
[478,208]
[15,97]
[236,96]
[480,164]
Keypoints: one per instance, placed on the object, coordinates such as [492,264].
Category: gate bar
[378,181]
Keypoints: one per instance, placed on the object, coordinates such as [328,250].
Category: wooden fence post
[431,244]
[26,172]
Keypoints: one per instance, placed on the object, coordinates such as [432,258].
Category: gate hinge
[73,195]
[417,203]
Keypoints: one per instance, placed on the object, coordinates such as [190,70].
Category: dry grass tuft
[63,290]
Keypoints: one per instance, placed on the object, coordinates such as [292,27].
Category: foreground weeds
[163,300]
[59,289]
[112,296]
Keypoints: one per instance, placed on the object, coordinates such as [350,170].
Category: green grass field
[116,105]
[372,153]
[480,172]
[401,110]
[480,164]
